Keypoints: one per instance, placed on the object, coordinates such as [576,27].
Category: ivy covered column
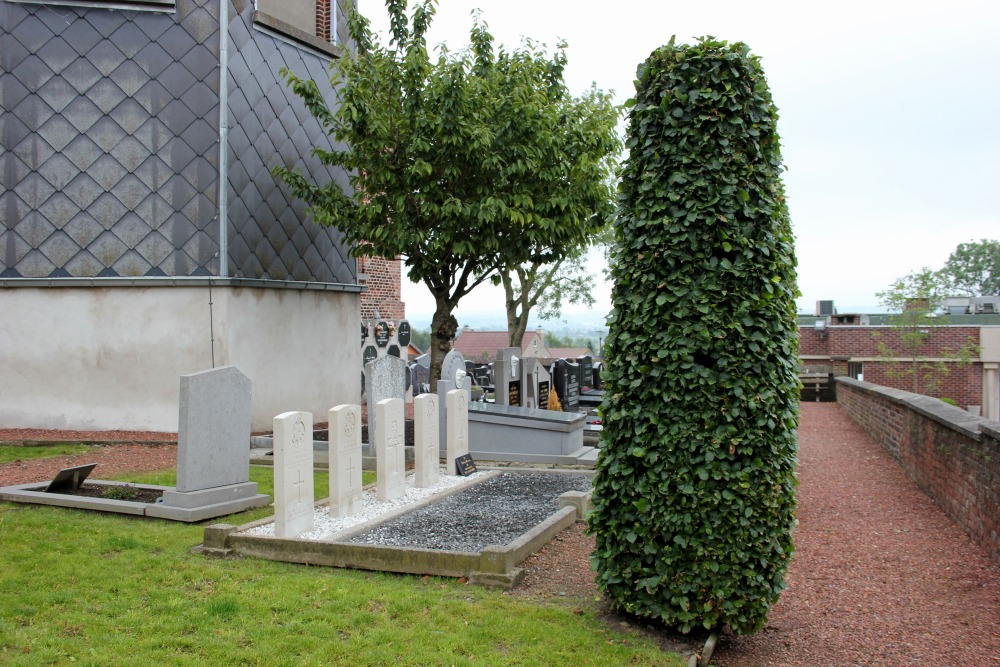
[694,493]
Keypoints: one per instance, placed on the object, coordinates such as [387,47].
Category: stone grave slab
[293,474]
[426,455]
[390,457]
[345,460]
[458,427]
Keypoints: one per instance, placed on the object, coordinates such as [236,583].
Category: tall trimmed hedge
[694,494]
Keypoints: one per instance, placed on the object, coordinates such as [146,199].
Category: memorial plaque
[514,393]
[543,395]
[368,355]
[382,334]
[69,479]
[393,351]
[465,465]
[403,333]
[364,333]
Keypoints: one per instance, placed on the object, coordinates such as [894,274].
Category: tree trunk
[517,324]
[443,329]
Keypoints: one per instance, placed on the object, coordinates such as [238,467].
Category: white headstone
[345,460]
[426,455]
[213,429]
[458,427]
[293,474]
[390,450]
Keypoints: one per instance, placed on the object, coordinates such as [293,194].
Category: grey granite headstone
[586,372]
[386,379]
[506,369]
[213,431]
[535,374]
[453,368]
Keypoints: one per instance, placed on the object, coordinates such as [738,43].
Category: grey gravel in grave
[494,512]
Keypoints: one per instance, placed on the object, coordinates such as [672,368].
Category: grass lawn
[87,588]
[10,453]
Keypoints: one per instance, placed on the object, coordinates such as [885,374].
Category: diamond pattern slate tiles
[267,128]
[110,138]
[94,136]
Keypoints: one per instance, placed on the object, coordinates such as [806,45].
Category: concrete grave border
[495,565]
[33,493]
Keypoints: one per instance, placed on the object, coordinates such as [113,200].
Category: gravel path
[880,576]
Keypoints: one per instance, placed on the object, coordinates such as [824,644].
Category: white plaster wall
[111,358]
[300,349]
[298,13]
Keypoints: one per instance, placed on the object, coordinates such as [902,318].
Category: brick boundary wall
[952,455]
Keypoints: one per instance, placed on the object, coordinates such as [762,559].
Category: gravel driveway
[880,576]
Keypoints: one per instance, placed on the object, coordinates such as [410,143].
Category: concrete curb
[494,566]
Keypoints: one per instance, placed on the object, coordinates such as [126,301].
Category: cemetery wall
[953,456]
[111,358]
[969,385]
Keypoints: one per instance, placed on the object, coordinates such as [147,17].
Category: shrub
[694,491]
[120,492]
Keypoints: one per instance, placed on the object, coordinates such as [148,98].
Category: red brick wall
[862,341]
[383,280]
[323,19]
[952,456]
[962,383]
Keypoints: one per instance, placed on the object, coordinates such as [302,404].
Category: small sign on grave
[465,465]
[514,393]
[368,355]
[382,334]
[393,351]
[69,479]
[543,395]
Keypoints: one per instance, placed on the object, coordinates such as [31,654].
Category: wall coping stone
[947,415]
[179,281]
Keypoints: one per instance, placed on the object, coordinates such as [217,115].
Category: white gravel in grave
[325,526]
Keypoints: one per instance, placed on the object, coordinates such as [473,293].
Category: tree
[973,269]
[461,165]
[914,301]
[694,491]
[544,288]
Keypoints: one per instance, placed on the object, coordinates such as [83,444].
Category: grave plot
[213,461]
[465,523]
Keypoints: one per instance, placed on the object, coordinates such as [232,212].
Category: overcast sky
[889,118]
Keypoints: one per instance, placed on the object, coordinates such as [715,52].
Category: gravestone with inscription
[537,382]
[566,377]
[507,375]
[386,379]
[457,403]
[426,456]
[293,474]
[213,429]
[390,457]
[403,333]
[586,372]
[382,334]
[345,460]
[453,376]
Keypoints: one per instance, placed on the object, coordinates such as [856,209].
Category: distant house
[482,346]
[847,345]
[143,236]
